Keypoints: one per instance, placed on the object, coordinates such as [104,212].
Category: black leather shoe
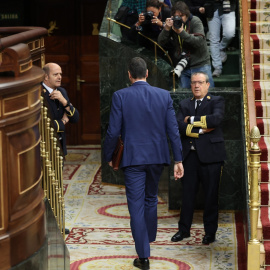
[67,231]
[180,236]
[208,238]
[142,263]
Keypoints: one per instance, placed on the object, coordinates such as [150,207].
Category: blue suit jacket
[144,116]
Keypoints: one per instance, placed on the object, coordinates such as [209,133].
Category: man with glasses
[186,43]
[199,119]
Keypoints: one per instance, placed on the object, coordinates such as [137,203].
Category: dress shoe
[67,231]
[208,238]
[142,263]
[180,236]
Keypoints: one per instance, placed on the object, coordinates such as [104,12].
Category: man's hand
[202,10]
[65,119]
[55,94]
[110,163]
[178,31]
[186,119]
[168,24]
[207,130]
[178,170]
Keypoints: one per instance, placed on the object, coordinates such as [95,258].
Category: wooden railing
[252,137]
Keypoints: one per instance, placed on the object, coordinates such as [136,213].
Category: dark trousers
[141,191]
[209,175]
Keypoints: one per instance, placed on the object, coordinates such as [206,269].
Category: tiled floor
[100,236]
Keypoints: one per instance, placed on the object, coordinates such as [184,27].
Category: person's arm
[196,35]
[186,129]
[165,34]
[114,128]
[174,136]
[193,9]
[213,120]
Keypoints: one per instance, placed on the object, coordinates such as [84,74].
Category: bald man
[62,111]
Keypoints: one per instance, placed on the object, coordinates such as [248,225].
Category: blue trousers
[141,191]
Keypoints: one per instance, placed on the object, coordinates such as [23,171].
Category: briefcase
[117,154]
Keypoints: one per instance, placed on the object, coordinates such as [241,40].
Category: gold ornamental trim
[26,66]
[201,123]
[189,133]
[19,166]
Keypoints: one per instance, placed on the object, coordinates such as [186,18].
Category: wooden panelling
[22,219]
[19,102]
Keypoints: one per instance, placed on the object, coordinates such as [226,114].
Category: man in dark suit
[143,115]
[61,110]
[203,155]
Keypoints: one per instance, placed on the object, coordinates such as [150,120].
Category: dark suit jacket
[57,111]
[210,146]
[144,116]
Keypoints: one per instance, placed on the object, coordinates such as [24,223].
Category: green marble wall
[114,56]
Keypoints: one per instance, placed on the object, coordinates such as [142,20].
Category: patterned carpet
[100,237]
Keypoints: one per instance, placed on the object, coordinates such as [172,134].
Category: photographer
[197,8]
[129,11]
[151,22]
[186,33]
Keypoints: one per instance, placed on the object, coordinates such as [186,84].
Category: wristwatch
[68,104]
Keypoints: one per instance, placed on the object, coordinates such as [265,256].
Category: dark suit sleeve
[73,114]
[114,129]
[216,116]
[173,132]
[184,128]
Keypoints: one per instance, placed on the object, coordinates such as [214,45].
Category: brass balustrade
[52,164]
[252,138]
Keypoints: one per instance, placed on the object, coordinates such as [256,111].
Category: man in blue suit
[143,115]
[199,120]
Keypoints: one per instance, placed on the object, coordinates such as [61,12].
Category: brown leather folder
[117,154]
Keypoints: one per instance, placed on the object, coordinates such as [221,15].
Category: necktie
[197,105]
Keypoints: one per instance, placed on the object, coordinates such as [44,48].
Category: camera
[148,16]
[181,65]
[177,22]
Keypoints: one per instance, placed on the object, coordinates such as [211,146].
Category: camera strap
[180,40]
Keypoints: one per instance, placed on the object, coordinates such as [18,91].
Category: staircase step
[227,81]
[265,223]
[258,16]
[262,108]
[262,90]
[259,27]
[261,72]
[260,41]
[231,66]
[261,56]
[265,169]
[264,126]
[264,187]
[264,144]
[258,4]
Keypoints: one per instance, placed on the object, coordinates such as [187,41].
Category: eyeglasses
[198,82]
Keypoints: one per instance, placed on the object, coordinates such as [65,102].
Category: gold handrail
[154,43]
[252,138]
